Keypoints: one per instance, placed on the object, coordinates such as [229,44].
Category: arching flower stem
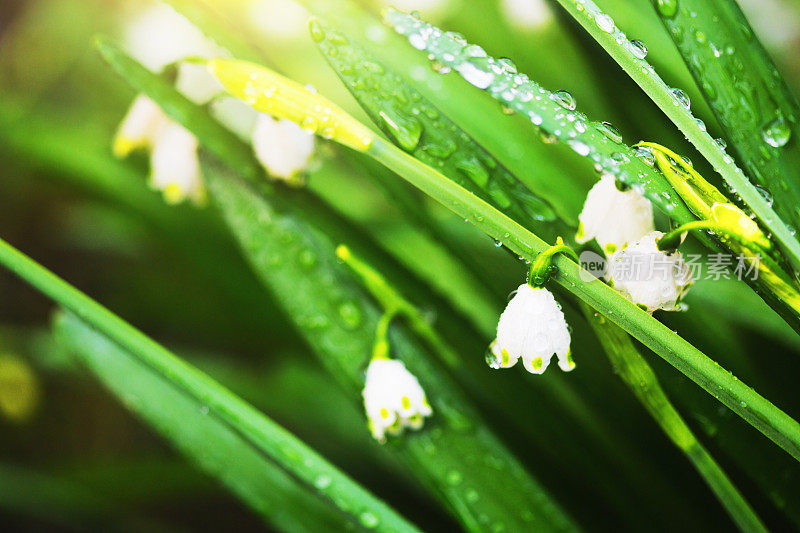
[672,240]
[543,264]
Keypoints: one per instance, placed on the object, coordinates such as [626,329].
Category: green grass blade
[640,378]
[199,432]
[549,115]
[455,455]
[339,328]
[419,128]
[554,114]
[216,138]
[264,437]
[602,28]
[744,90]
[241,79]
[562,182]
[720,383]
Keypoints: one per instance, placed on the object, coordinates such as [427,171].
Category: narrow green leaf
[602,28]
[419,128]
[337,494]
[562,182]
[222,142]
[455,455]
[640,378]
[744,90]
[553,114]
[720,383]
[200,433]
[339,323]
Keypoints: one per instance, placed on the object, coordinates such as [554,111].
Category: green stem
[633,369]
[395,303]
[541,268]
[380,350]
[717,381]
[672,240]
[587,14]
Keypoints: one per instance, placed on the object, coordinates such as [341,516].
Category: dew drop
[492,361]
[682,98]
[478,77]
[317,33]
[405,130]
[777,133]
[368,520]
[721,143]
[565,100]
[638,49]
[611,132]
[350,315]
[667,8]
[700,124]
[645,154]
[581,148]
[764,192]
[322,482]
[605,22]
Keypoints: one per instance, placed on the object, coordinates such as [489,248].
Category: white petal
[526,14]
[235,115]
[140,126]
[393,398]
[175,168]
[197,83]
[649,277]
[159,36]
[533,328]
[614,218]
[282,146]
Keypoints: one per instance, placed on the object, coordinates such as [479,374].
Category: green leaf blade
[748,96]
[454,454]
[198,432]
[553,114]
[418,127]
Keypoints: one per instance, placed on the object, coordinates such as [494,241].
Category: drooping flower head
[533,328]
[649,277]
[174,166]
[158,37]
[613,217]
[282,147]
[393,399]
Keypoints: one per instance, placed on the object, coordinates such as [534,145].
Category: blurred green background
[72,458]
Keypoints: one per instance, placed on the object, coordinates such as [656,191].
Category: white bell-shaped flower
[140,127]
[282,147]
[393,399]
[159,36]
[533,328]
[527,14]
[614,218]
[648,277]
[174,166]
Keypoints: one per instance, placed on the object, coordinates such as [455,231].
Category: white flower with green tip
[614,218]
[393,399]
[648,277]
[282,147]
[533,328]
